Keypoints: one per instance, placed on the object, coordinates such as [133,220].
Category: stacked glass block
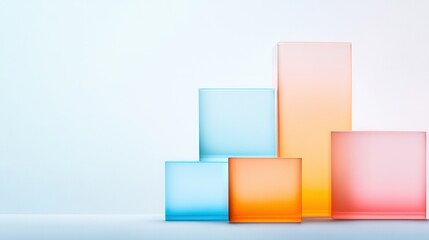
[237,165]
[283,153]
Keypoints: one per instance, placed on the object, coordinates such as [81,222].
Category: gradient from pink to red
[378,175]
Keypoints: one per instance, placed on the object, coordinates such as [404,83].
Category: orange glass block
[264,189]
[314,98]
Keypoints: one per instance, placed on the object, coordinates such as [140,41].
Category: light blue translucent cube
[236,122]
[196,191]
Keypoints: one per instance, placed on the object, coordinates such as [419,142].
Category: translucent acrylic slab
[379,175]
[314,98]
[264,189]
[236,122]
[196,191]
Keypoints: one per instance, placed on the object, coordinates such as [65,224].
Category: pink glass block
[378,175]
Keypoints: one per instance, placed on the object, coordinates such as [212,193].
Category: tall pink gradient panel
[378,175]
[314,83]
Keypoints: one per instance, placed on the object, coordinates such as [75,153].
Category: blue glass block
[196,191]
[236,122]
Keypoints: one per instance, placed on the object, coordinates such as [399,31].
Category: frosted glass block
[264,189]
[379,175]
[196,191]
[314,98]
[236,122]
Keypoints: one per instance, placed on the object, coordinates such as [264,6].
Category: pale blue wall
[96,95]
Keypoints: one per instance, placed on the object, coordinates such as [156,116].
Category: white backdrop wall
[96,95]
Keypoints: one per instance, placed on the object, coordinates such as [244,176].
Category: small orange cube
[264,189]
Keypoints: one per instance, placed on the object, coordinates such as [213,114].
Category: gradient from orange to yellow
[264,189]
[314,98]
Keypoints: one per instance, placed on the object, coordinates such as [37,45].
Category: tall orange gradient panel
[264,189]
[314,87]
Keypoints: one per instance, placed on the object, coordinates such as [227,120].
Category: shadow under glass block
[378,175]
[236,122]
[265,190]
[196,191]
